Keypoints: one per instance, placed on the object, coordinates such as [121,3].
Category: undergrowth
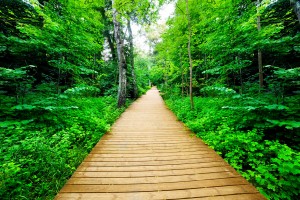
[247,134]
[44,141]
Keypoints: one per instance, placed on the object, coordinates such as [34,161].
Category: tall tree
[121,57]
[131,58]
[189,52]
[108,26]
[259,53]
[142,11]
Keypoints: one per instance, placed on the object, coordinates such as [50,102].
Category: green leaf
[24,107]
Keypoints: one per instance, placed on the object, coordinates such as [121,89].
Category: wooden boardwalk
[150,155]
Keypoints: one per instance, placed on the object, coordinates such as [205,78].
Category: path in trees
[150,155]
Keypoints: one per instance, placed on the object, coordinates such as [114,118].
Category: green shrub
[239,130]
[39,153]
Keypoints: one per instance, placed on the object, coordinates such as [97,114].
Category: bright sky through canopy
[140,40]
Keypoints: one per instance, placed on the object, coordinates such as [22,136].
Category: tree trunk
[296,5]
[111,45]
[260,69]
[259,54]
[106,34]
[206,68]
[297,10]
[121,59]
[190,56]
[131,50]
[240,74]
[186,88]
[182,75]
[94,66]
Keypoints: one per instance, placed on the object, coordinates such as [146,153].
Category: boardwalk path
[150,155]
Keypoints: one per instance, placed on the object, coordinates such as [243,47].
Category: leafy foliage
[41,149]
[254,127]
[225,41]
[237,133]
[58,91]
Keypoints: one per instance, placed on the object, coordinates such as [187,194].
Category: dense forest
[229,69]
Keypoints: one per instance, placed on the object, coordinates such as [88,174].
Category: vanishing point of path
[149,154]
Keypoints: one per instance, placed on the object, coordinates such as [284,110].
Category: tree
[189,52]
[131,59]
[259,54]
[121,57]
[108,28]
[296,5]
[142,11]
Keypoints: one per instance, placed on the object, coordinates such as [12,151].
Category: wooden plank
[154,145]
[88,166]
[152,154]
[131,174]
[154,162]
[178,156]
[255,196]
[140,150]
[149,128]
[149,132]
[148,140]
[151,180]
[174,194]
[171,151]
[151,151]
[154,187]
[150,163]
[164,160]
[159,147]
